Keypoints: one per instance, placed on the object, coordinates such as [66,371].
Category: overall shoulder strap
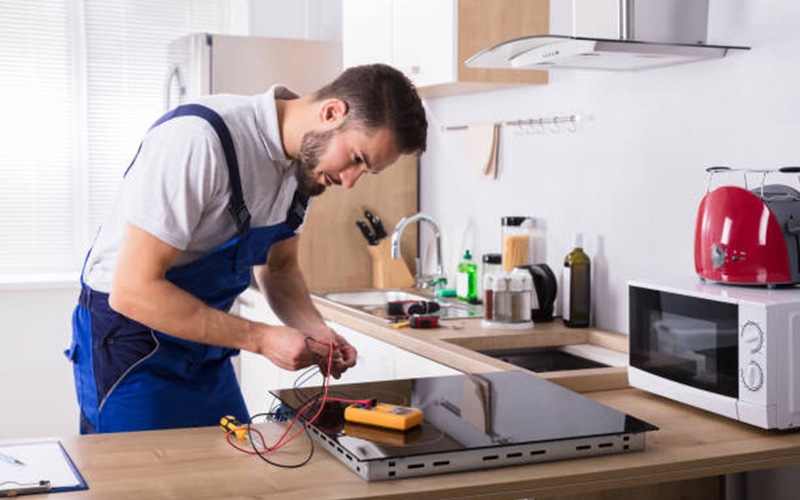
[236,205]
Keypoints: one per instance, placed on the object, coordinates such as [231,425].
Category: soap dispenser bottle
[467,279]
[576,286]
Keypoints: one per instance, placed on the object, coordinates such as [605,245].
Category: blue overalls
[129,377]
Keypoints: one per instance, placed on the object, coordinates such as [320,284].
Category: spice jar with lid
[520,286]
[488,296]
[510,300]
[491,263]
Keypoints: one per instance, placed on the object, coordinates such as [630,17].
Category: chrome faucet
[422,281]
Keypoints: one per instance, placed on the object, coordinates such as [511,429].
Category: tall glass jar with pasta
[517,241]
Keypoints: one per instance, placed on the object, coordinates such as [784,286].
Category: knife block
[386,271]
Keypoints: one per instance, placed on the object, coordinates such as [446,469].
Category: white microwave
[730,350]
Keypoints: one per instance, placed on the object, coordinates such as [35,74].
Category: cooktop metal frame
[484,458]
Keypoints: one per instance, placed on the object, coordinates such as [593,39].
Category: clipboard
[47,468]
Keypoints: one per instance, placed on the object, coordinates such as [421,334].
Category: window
[38,136]
[81,82]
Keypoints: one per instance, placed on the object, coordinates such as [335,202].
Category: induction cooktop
[473,421]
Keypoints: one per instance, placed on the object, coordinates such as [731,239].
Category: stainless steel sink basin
[371,297]
[373,303]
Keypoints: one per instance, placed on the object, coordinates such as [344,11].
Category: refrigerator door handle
[174,73]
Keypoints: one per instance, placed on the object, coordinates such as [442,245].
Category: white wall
[37,393]
[632,176]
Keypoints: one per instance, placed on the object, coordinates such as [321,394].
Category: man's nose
[351,175]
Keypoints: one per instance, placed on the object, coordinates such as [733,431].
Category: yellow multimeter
[384,415]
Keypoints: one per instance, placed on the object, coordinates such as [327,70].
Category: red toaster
[749,237]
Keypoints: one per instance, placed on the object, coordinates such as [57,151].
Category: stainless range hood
[649,34]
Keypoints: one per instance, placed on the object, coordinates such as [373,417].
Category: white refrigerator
[202,63]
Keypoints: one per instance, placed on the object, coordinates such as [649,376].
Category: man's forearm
[286,291]
[164,307]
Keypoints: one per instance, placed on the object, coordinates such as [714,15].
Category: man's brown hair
[378,95]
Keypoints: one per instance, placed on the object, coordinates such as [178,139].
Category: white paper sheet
[43,461]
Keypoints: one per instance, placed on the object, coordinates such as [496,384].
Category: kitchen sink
[373,302]
[544,359]
[368,298]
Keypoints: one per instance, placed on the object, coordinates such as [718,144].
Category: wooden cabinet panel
[484,24]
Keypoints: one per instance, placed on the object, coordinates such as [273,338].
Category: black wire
[261,455]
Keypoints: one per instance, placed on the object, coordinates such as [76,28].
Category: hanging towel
[483,148]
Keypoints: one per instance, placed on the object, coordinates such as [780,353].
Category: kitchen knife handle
[371,240]
[377,225]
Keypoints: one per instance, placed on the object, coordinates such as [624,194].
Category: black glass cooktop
[470,421]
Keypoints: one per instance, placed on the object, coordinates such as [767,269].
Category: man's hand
[344,355]
[287,348]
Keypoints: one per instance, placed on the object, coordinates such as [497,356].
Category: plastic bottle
[467,278]
[576,281]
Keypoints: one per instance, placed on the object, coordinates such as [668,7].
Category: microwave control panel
[752,340]
[753,380]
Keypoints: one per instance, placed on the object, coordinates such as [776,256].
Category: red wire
[280,442]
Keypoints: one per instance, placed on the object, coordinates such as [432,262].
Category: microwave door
[685,339]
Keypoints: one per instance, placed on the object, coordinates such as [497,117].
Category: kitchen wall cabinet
[430,39]
[377,360]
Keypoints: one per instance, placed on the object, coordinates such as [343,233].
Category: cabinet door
[375,360]
[366,32]
[424,40]
[379,360]
[257,374]
[410,365]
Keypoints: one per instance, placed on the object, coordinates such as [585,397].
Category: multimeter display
[384,415]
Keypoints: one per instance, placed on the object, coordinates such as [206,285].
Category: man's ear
[333,112]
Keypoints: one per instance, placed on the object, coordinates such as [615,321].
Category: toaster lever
[793,226]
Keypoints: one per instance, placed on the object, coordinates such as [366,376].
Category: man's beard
[311,147]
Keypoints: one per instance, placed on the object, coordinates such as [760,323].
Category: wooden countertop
[198,463]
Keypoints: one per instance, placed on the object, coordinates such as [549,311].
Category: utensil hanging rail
[572,120]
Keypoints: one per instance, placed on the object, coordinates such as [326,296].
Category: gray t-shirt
[178,189]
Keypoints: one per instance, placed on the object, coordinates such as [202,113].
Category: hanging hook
[573,124]
[554,126]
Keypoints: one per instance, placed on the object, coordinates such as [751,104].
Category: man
[217,189]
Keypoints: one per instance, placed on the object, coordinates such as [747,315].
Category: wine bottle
[576,286]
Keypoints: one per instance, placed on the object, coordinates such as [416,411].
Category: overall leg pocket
[117,349]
